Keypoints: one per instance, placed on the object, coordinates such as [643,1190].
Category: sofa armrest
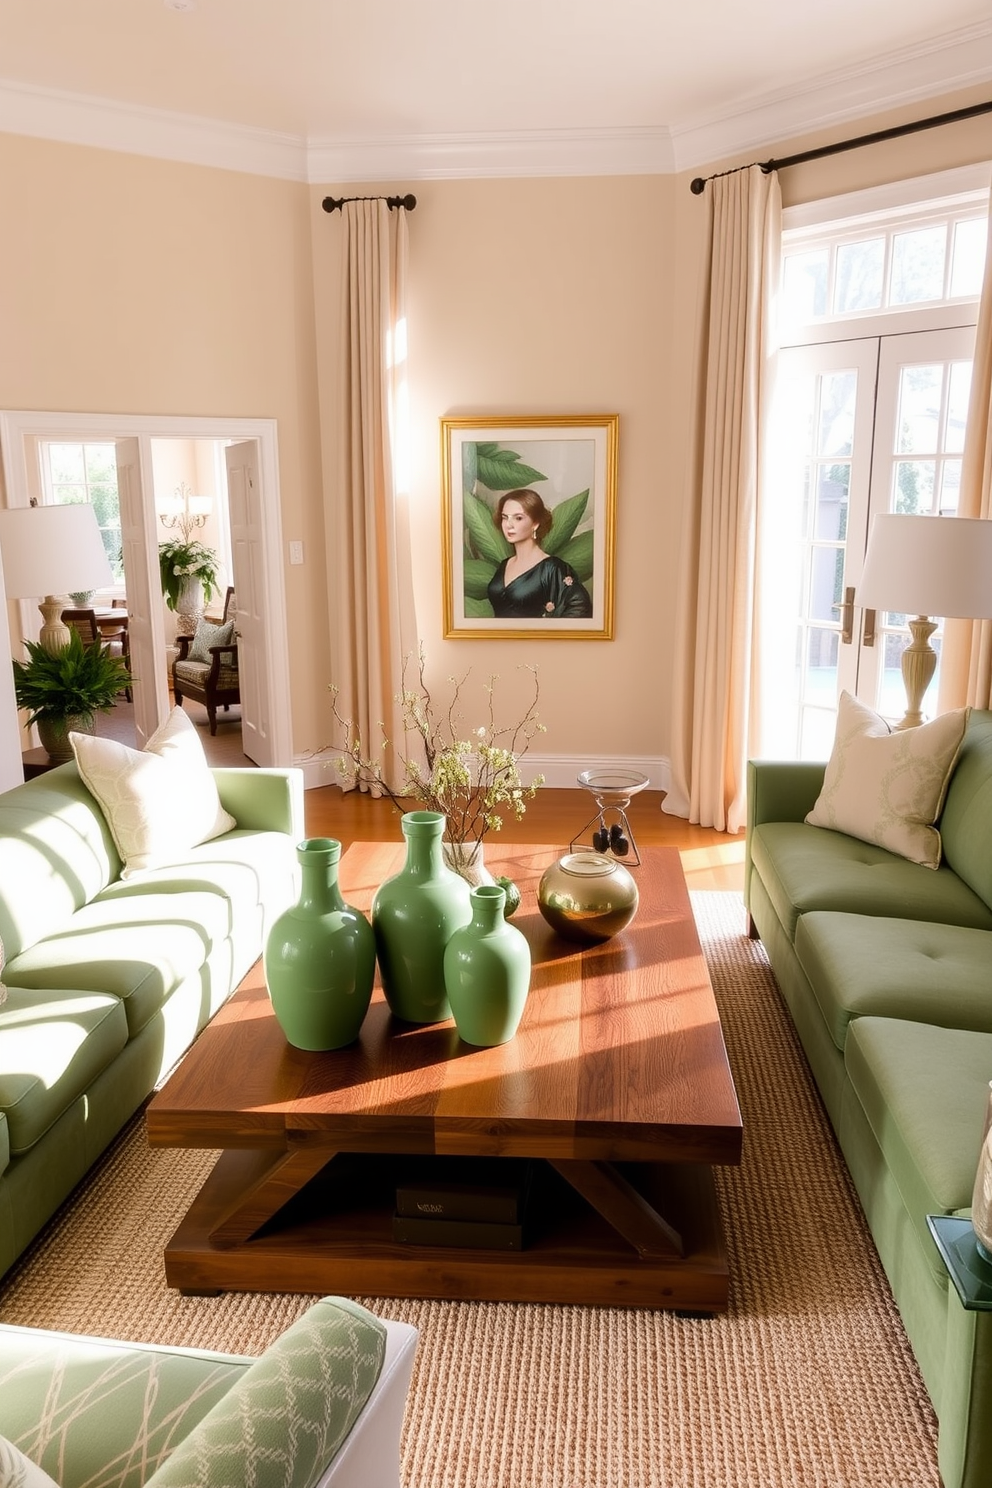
[263,800]
[287,1415]
[782,790]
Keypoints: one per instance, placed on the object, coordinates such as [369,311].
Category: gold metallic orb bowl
[587,896]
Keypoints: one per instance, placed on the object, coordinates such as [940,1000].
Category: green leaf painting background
[489,469]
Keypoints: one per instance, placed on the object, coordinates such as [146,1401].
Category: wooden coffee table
[617,1082]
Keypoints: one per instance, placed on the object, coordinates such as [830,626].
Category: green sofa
[321,1408]
[886,967]
[110,979]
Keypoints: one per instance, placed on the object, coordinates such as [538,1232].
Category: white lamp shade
[929,566]
[51,550]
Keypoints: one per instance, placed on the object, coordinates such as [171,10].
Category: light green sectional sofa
[321,1408]
[109,979]
[886,966]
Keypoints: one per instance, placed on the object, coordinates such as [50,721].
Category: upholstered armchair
[206,668]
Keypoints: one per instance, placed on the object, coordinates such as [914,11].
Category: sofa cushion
[138,948]
[4,1142]
[805,868]
[102,1412]
[861,965]
[159,801]
[888,788]
[966,822]
[57,854]
[18,1471]
[50,1053]
[924,1091]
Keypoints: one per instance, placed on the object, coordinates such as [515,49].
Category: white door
[144,593]
[248,563]
[864,426]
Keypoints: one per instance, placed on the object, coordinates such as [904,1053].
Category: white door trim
[17,425]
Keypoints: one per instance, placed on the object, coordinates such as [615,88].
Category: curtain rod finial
[697,186]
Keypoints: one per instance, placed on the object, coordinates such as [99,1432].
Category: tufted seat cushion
[804,868]
[860,965]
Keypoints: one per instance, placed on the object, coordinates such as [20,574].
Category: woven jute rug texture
[807,1382]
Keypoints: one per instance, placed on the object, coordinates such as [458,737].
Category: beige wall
[133,285]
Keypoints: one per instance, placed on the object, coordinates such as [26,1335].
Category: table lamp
[924,566]
[51,550]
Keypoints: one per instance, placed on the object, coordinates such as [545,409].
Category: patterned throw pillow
[888,787]
[18,1471]
[158,801]
[208,635]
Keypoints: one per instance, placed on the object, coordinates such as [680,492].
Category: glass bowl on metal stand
[612,791]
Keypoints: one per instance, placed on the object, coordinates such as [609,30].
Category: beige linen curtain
[715,676]
[966,659]
[370,570]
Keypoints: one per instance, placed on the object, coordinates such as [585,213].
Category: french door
[862,426]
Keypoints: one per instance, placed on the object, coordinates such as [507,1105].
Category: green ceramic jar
[487,971]
[320,957]
[414,915]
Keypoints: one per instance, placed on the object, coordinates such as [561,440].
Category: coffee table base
[315,1244]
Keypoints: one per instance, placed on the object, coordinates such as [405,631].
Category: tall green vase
[487,971]
[320,957]
[414,915]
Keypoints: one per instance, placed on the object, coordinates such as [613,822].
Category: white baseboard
[560,771]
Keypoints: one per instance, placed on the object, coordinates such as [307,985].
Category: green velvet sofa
[110,979]
[886,967]
[322,1407]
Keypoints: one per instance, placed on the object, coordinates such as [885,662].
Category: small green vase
[487,971]
[320,957]
[414,915]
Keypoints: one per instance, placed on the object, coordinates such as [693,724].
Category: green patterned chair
[322,1407]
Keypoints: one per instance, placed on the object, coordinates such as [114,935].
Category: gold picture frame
[566,471]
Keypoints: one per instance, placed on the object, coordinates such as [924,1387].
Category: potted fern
[61,690]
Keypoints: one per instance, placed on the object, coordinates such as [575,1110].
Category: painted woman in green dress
[531,584]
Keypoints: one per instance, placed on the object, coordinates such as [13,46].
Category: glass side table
[970,1272]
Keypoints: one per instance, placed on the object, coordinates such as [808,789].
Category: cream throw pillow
[158,801]
[888,788]
[18,1471]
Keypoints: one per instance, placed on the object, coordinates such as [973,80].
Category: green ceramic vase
[487,971]
[414,915]
[320,957]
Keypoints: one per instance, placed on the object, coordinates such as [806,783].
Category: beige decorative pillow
[158,801]
[18,1471]
[888,787]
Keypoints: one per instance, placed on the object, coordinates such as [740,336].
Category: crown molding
[910,75]
[439,157]
[105,124]
[902,78]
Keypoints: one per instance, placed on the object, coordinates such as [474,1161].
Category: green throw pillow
[208,635]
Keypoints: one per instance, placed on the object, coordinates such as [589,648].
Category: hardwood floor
[710,859]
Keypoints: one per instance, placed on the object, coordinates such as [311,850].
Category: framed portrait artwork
[529,526]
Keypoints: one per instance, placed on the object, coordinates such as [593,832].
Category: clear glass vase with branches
[471,776]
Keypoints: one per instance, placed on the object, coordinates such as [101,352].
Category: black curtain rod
[698,186]
[331,203]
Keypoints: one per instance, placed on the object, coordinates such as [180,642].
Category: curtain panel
[966,655]
[370,579]
[713,706]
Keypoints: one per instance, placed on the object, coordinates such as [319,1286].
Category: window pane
[818,728]
[968,256]
[914,486]
[101,464]
[804,286]
[820,681]
[831,502]
[958,393]
[859,275]
[66,463]
[950,488]
[826,576]
[920,390]
[837,394]
[68,495]
[918,266]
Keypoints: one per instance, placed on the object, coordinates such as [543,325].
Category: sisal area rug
[807,1382]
